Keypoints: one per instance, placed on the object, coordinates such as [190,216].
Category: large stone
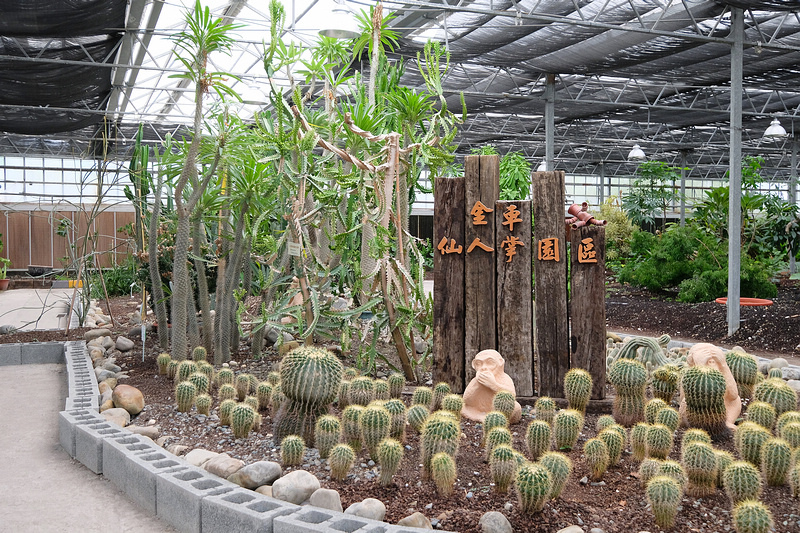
[326,499]
[295,487]
[795,384]
[96,353]
[571,529]
[790,373]
[102,374]
[124,344]
[199,456]
[108,342]
[271,334]
[256,474]
[495,522]
[369,508]
[109,365]
[415,520]
[223,465]
[106,404]
[118,416]
[778,362]
[96,333]
[129,398]
[150,432]
[266,490]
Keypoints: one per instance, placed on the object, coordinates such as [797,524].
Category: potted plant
[3,269]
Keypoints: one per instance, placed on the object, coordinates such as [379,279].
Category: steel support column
[735,200]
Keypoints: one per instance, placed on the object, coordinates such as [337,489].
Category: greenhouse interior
[315,194]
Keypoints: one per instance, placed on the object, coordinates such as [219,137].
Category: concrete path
[42,489]
[29,309]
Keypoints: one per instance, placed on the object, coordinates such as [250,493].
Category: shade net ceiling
[652,72]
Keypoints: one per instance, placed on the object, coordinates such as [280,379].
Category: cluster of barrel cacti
[704,391]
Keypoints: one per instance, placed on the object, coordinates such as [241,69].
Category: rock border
[186,497]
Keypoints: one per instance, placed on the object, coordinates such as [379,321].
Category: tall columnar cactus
[789,417]
[453,403]
[751,516]
[495,437]
[327,434]
[652,408]
[629,377]
[669,417]
[422,396]
[503,466]
[440,390]
[560,468]
[443,473]
[597,457]
[639,441]
[185,369]
[761,413]
[397,382]
[292,449]
[362,391]
[274,378]
[741,481]
[704,390]
[545,409]
[310,379]
[664,495]
[242,419]
[791,433]
[492,420]
[695,435]
[724,460]
[375,425]
[162,361]
[200,381]
[533,486]
[674,470]
[382,390]
[776,456]
[351,426]
[659,441]
[389,455]
[700,463]
[397,410]
[242,384]
[604,421]
[343,399]
[172,369]
[439,434]
[226,392]
[744,369]
[199,354]
[665,382]
[537,438]
[567,425]
[225,376]
[416,416]
[748,440]
[264,395]
[185,392]
[614,442]
[341,460]
[777,393]
[578,388]
[648,470]
[225,411]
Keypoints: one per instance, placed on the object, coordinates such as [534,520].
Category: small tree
[652,193]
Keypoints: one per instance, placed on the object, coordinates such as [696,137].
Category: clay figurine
[704,354]
[490,377]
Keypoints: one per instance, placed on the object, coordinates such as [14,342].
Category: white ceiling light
[340,22]
[636,154]
[775,129]
[542,166]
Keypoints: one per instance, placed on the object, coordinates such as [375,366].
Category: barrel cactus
[614,442]
[567,425]
[225,410]
[375,426]
[242,419]
[744,369]
[207,369]
[226,392]
[724,460]
[200,381]
[350,373]
[665,383]
[381,390]
[751,516]
[695,435]
[292,449]
[343,398]
[422,396]
[503,467]
[674,470]
[162,361]
[341,460]
[597,457]
[741,481]
[776,457]
[545,409]
[495,437]
[397,382]
[203,403]
[700,463]
[664,495]
[443,473]
[264,394]
[199,354]
[533,486]
[560,468]
[648,470]
[748,440]
[185,369]
[493,419]
[172,369]
[794,480]
[629,378]
[416,416]
[310,379]
[453,403]
[578,388]
[440,390]
[225,377]
[639,441]
[505,402]
[604,421]
[351,426]
[242,384]
[789,417]
[761,413]
[669,417]
[704,391]
[791,433]
[777,393]
[389,455]
[439,434]
[659,441]
[775,373]
[537,438]
[327,433]
[185,392]
[652,408]
[397,411]
[362,391]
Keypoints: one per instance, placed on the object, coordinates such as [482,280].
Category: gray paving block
[316,520]
[10,354]
[178,496]
[242,510]
[133,463]
[37,353]
[89,439]
[67,420]
[81,402]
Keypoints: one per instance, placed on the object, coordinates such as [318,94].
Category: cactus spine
[443,473]
[614,442]
[776,456]
[390,454]
[648,470]
[603,422]
[652,408]
[545,409]
[416,416]
[225,377]
[185,369]
[749,439]
[225,410]
[744,369]
[397,426]
[351,426]
[495,437]
[375,425]
[242,419]
[439,434]
[264,394]
[440,390]
[577,388]
[533,486]
[200,381]
[665,383]
[704,390]
[503,467]
[639,441]
[199,354]
[669,417]
[537,438]
[560,467]
[741,481]
[327,433]
[163,362]
[292,449]
[629,377]
[381,390]
[778,393]
[597,457]
[752,517]
[185,393]
[422,396]
[664,495]
[700,463]
[341,460]
[659,441]
[567,425]
[203,403]
[674,470]
[453,403]
[362,391]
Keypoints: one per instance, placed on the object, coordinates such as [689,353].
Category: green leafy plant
[652,193]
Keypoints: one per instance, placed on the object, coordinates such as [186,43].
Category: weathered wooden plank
[18,239]
[550,267]
[587,304]
[448,286]
[514,298]
[41,238]
[482,186]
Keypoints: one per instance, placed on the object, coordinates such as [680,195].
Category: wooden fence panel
[41,238]
[106,239]
[60,243]
[19,241]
